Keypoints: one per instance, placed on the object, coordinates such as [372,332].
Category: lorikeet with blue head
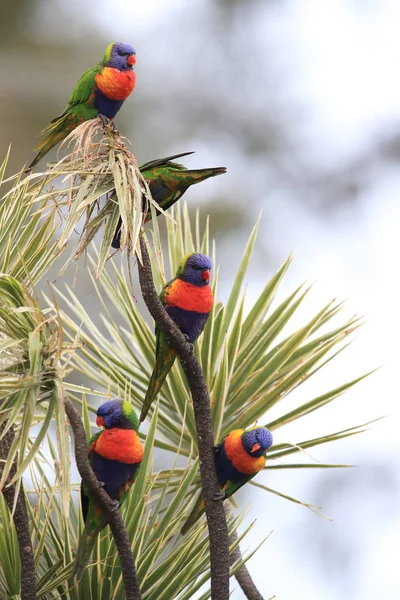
[188,299]
[115,454]
[168,181]
[100,91]
[238,458]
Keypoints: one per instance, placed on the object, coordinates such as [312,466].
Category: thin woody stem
[217,527]
[21,522]
[114,519]
[242,574]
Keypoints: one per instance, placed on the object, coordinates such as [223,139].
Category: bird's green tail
[198,175]
[164,362]
[61,127]
[55,132]
[45,148]
[85,549]
[197,510]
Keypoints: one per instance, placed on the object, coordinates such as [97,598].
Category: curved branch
[115,521]
[242,574]
[217,527]
[21,522]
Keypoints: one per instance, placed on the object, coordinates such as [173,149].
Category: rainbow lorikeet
[238,458]
[115,454]
[188,299]
[168,181]
[100,91]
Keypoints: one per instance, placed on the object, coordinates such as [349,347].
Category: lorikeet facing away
[115,454]
[238,458]
[101,90]
[168,181]
[188,299]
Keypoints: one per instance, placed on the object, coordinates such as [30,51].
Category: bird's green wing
[84,496]
[159,335]
[165,357]
[162,162]
[81,93]
[232,486]
[163,302]
[229,489]
[163,291]
[85,86]
[94,523]
[93,439]
[80,108]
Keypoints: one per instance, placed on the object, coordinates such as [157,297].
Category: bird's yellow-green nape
[107,53]
[130,414]
[182,264]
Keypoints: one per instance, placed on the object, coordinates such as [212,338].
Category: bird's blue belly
[191,323]
[112,473]
[225,469]
[105,106]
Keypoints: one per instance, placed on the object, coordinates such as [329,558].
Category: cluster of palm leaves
[251,358]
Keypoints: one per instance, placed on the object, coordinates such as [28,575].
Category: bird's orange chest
[240,459]
[189,297]
[122,445]
[115,84]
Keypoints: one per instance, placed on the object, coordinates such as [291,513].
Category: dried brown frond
[100,183]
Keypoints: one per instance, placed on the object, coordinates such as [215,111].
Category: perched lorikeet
[101,90]
[238,458]
[115,454]
[188,299]
[168,181]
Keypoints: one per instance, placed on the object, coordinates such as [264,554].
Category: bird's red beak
[100,421]
[255,447]
[205,275]
[131,60]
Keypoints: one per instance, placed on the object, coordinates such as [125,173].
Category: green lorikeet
[115,454]
[188,299]
[238,458]
[100,91]
[168,181]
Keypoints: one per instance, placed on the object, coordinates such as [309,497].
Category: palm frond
[168,566]
[31,373]
[99,181]
[27,227]
[251,362]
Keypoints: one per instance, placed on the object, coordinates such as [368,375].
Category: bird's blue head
[117,413]
[120,56]
[257,441]
[195,269]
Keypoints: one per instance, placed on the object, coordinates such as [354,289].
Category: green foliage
[20,219]
[252,359]
[248,367]
[152,513]
[30,385]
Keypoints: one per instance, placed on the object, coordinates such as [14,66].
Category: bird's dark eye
[109,412]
